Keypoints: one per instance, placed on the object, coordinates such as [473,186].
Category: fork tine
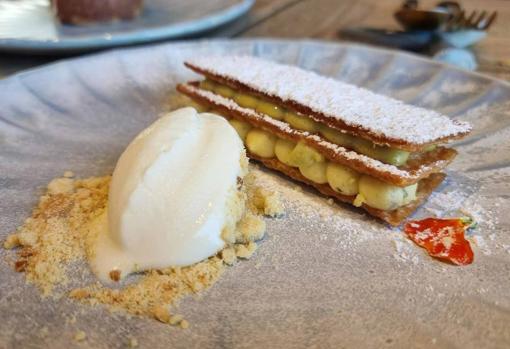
[469,20]
[480,20]
[489,21]
[480,23]
[456,21]
[449,23]
[462,20]
[477,20]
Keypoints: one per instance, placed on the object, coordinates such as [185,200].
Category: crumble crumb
[133,342]
[20,265]
[251,228]
[61,229]
[115,275]
[261,200]
[161,314]
[55,235]
[68,174]
[27,238]
[71,319]
[79,294]
[229,255]
[245,251]
[273,205]
[43,332]
[60,186]
[80,336]
[11,242]
[176,319]
[267,202]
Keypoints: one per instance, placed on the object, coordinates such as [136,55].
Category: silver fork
[475,20]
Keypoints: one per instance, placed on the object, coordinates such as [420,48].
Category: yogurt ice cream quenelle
[172,194]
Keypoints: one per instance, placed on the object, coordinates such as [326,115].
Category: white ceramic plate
[28,26]
[327,276]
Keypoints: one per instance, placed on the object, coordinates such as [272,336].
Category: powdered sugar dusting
[458,202]
[348,154]
[355,106]
[356,228]
[352,227]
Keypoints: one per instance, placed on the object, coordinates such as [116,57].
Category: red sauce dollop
[442,238]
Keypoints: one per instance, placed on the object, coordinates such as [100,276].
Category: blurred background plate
[29,25]
[326,276]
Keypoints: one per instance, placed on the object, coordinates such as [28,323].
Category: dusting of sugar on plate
[355,228]
[338,101]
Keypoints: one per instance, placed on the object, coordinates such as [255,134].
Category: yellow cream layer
[316,168]
[298,121]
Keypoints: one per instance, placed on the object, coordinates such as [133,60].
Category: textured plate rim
[264,40]
[135,37]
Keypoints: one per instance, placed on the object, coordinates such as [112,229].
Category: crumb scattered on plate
[59,233]
[80,336]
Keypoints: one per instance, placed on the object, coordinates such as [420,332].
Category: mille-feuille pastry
[349,143]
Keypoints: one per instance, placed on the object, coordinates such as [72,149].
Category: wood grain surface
[321,19]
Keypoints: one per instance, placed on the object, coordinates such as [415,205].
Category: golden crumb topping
[62,227]
[80,336]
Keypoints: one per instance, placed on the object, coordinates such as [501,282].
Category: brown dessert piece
[90,11]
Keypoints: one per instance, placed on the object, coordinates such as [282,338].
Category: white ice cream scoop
[169,194]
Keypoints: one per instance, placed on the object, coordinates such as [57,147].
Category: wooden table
[321,19]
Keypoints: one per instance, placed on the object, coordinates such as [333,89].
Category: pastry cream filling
[313,166]
[385,154]
[171,195]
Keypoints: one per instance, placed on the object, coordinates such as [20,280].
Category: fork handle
[407,40]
